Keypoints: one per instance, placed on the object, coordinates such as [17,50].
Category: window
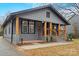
[27,27]
[48,14]
[31,27]
[24,27]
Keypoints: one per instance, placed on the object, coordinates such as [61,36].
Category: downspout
[12,33]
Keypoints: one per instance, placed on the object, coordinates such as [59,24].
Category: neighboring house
[74,27]
[33,24]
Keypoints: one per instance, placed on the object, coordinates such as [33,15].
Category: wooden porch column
[50,28]
[17,26]
[65,32]
[58,29]
[45,28]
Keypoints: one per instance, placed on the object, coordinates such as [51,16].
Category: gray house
[33,24]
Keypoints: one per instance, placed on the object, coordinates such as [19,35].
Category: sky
[6,8]
[13,7]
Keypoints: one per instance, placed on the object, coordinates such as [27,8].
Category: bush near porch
[64,50]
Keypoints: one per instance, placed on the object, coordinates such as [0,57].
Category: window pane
[31,27]
[24,26]
[48,14]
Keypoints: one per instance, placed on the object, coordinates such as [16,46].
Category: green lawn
[64,50]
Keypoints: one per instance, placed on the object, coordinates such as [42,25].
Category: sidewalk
[6,49]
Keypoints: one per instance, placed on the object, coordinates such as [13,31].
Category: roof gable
[42,7]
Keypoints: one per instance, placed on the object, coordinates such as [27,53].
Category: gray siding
[16,39]
[41,16]
[7,35]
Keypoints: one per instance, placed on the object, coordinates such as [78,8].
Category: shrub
[69,37]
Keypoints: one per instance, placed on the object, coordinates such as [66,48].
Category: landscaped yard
[64,50]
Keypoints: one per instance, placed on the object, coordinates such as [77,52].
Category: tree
[75,30]
[76,8]
[69,15]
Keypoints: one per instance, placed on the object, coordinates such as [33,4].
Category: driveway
[6,49]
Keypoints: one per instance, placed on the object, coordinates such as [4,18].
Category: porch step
[25,42]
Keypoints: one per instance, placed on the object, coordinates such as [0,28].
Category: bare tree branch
[75,5]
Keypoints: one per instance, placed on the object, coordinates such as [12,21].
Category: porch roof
[12,15]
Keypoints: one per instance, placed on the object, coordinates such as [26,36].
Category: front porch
[39,30]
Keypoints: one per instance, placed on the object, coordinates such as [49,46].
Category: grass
[64,50]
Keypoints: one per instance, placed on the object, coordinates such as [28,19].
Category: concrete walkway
[6,49]
[37,45]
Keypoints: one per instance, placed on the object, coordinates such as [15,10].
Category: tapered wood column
[65,32]
[50,28]
[17,26]
[59,29]
[45,28]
